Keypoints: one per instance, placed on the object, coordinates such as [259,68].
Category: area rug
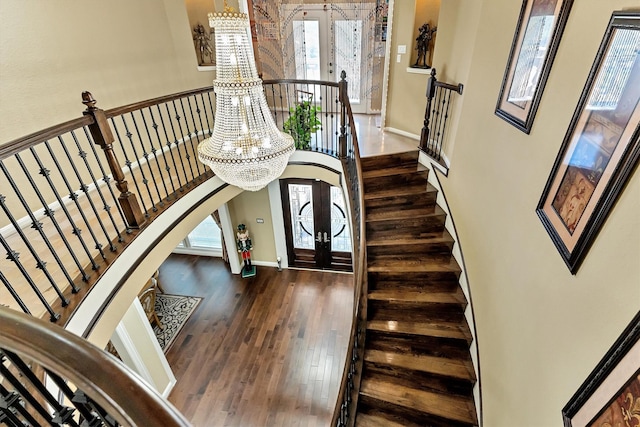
[173,311]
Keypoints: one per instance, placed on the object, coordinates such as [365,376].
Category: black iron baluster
[11,399]
[173,157]
[105,205]
[13,293]
[146,154]
[102,416]
[444,124]
[40,264]
[35,224]
[187,156]
[106,178]
[154,150]
[63,414]
[190,137]
[76,231]
[85,189]
[82,407]
[137,159]
[440,118]
[26,395]
[50,213]
[128,164]
[167,169]
[200,134]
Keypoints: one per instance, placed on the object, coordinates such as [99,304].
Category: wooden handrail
[114,386]
[118,111]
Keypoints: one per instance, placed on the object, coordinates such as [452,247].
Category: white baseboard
[403,133]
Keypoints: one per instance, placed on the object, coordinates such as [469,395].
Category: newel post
[431,91]
[344,98]
[102,136]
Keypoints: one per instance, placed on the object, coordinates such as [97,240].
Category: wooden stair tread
[419,264]
[461,369]
[457,408]
[385,160]
[458,331]
[402,191]
[401,214]
[370,420]
[388,171]
[436,237]
[417,297]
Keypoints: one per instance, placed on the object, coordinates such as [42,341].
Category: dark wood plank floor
[263,351]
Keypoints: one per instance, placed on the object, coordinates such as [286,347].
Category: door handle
[319,238]
[326,238]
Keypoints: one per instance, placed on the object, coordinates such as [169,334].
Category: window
[205,239]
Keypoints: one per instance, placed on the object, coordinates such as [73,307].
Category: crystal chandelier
[246,148]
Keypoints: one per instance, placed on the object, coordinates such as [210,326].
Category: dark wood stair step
[413,190]
[364,419]
[395,178]
[454,368]
[439,243]
[388,171]
[389,160]
[424,265]
[401,214]
[459,410]
[418,297]
[450,331]
[404,225]
[437,281]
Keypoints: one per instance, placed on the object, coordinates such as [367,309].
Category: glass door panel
[341,240]
[301,202]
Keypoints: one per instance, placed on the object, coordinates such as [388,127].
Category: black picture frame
[618,371]
[601,147]
[535,42]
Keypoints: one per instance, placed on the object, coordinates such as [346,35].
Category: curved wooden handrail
[111,384]
[17,145]
[298,81]
[118,111]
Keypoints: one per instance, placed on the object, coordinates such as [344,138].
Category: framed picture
[600,149]
[534,46]
[611,394]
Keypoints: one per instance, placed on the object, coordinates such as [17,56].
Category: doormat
[173,311]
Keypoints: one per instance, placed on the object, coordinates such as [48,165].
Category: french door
[327,40]
[316,226]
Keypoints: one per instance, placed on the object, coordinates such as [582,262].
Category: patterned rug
[173,311]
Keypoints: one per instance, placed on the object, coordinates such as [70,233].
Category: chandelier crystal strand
[246,148]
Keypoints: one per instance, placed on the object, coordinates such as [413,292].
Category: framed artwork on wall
[610,396]
[534,46]
[601,147]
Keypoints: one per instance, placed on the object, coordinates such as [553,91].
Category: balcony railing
[73,196]
[440,100]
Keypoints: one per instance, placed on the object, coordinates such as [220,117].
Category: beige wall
[405,99]
[540,329]
[122,51]
[245,209]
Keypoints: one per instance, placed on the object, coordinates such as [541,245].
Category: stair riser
[418,344]
[426,201]
[415,227]
[389,161]
[433,281]
[400,180]
[423,380]
[441,250]
[365,402]
[385,310]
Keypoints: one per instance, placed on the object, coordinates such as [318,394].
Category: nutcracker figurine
[245,247]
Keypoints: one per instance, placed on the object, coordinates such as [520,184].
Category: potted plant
[303,122]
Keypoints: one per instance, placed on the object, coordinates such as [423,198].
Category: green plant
[303,122]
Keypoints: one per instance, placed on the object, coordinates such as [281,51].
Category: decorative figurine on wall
[203,44]
[244,247]
[424,41]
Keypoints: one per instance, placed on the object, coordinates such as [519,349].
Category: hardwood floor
[262,351]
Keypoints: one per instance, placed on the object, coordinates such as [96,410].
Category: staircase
[417,366]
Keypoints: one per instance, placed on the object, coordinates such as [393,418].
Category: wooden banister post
[431,90]
[102,136]
[344,98]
